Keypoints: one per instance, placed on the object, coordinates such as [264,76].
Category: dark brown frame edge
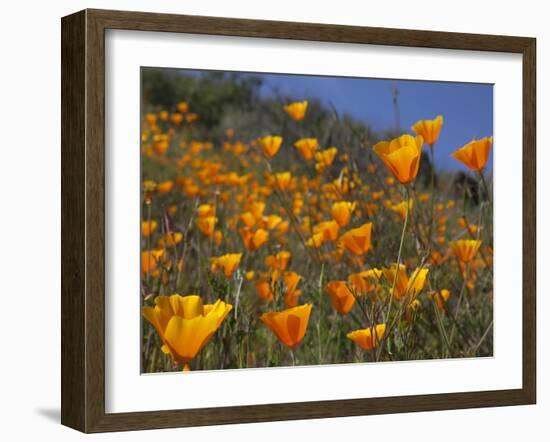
[83,217]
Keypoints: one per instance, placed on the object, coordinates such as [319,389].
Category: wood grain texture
[95,221]
[529,220]
[73,252]
[83,219]
[144,21]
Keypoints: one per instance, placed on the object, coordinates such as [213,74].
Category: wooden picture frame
[83,220]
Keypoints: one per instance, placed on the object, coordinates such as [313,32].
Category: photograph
[301,220]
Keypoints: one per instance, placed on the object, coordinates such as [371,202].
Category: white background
[128,391]
[30,219]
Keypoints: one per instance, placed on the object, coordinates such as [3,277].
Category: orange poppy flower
[272,221]
[316,240]
[183,107]
[150,260]
[440,298]
[265,290]
[472,228]
[165,186]
[364,282]
[401,208]
[282,228]
[325,158]
[161,143]
[297,204]
[307,147]
[270,145]
[218,236]
[229,263]
[282,180]
[341,297]
[207,224]
[176,118]
[368,338]
[206,210]
[403,284]
[465,249]
[248,219]
[358,241]
[296,110]
[148,227]
[291,281]
[329,230]
[253,240]
[257,209]
[289,325]
[341,212]
[184,324]
[278,261]
[401,156]
[170,239]
[475,154]
[437,258]
[429,129]
[340,186]
[151,118]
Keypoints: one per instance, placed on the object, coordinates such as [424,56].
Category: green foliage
[212,94]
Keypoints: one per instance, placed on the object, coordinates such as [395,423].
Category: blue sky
[467,108]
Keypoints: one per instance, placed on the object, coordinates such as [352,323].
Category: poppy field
[281,231]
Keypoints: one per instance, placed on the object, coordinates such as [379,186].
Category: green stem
[485,334]
[399,253]
[269,350]
[485,187]
[387,316]
[459,302]
[441,328]
[292,357]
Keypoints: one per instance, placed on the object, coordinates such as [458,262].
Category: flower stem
[459,302]
[390,301]
[442,331]
[485,186]
[399,253]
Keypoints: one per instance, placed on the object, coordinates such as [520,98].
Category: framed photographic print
[267,220]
